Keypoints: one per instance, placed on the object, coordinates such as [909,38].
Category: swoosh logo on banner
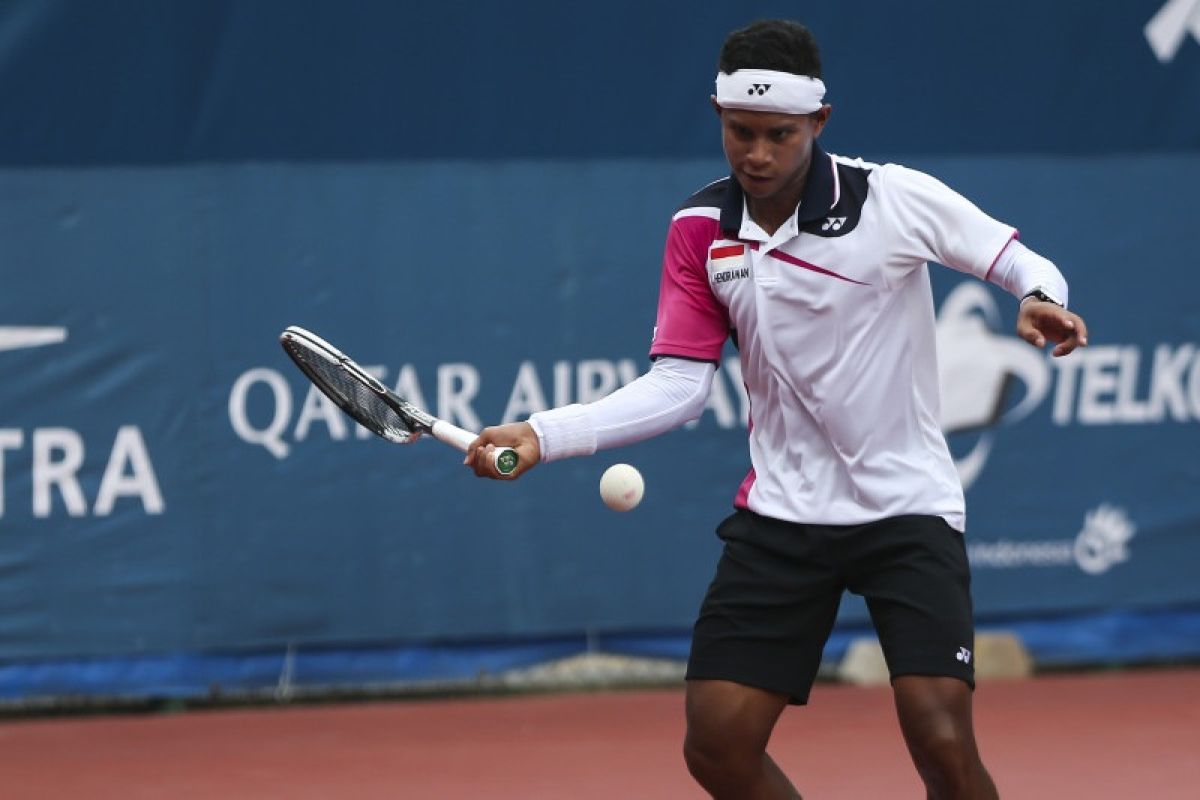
[17,338]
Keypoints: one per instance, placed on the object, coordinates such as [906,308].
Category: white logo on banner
[1168,29]
[1104,540]
[975,366]
[1101,544]
[1116,384]
[264,411]
[14,338]
[58,454]
[1100,385]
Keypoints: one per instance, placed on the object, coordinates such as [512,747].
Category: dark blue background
[146,82]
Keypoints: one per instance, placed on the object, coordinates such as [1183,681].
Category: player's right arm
[672,393]
[519,436]
[692,327]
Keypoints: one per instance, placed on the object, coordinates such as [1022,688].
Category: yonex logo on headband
[769,90]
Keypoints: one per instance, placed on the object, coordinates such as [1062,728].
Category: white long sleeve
[671,393]
[1018,270]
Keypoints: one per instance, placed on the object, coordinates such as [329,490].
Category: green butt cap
[506,461]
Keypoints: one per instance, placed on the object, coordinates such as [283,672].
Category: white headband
[768,90]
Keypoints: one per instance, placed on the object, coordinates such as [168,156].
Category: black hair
[776,44]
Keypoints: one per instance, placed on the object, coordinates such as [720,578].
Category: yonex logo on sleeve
[833,223]
[759,89]
[964,655]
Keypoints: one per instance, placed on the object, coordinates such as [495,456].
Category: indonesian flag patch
[731,256]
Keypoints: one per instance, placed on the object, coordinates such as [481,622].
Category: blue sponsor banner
[170,482]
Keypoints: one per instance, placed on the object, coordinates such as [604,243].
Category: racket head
[367,401]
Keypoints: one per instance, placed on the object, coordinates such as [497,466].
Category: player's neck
[771,212]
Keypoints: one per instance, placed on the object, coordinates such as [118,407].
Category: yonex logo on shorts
[759,89]
[964,655]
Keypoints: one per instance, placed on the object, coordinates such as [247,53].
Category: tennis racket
[370,403]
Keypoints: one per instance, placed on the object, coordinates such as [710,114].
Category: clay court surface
[1099,735]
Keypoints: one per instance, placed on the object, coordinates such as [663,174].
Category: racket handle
[505,458]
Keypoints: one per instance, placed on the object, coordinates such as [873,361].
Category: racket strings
[352,395]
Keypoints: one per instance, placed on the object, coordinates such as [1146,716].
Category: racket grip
[505,458]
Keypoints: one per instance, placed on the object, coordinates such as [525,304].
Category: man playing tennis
[817,266]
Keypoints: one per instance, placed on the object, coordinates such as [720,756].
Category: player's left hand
[1040,321]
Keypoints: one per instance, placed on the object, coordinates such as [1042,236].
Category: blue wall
[476,203]
[147,82]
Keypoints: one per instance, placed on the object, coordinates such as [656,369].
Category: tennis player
[817,266]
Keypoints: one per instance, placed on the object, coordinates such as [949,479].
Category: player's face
[769,153]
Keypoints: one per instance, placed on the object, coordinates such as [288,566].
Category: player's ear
[716,107]
[820,117]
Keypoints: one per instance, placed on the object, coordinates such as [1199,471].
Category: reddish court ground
[1116,735]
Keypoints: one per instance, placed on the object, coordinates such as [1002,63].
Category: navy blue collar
[817,198]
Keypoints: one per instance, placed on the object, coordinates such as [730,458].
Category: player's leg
[935,716]
[756,647]
[913,572]
[728,727]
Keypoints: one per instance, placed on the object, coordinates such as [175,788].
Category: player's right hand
[517,435]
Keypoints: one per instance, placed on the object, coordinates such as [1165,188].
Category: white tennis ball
[621,487]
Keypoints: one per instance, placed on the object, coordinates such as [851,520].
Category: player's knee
[946,760]
[702,754]
[717,761]
[728,727]
[701,761]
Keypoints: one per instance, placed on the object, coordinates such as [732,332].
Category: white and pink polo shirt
[834,320]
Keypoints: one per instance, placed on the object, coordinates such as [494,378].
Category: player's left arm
[1041,321]
[932,222]
[1043,316]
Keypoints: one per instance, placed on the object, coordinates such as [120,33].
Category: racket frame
[413,418]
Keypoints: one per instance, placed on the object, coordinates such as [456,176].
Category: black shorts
[772,604]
